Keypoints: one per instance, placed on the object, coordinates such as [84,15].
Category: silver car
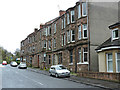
[59,71]
[22,65]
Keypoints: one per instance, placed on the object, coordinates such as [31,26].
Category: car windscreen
[60,68]
[4,62]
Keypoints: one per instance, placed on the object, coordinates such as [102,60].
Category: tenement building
[71,38]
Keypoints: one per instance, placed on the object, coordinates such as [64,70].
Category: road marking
[32,80]
[29,78]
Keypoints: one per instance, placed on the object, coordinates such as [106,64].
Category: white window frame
[72,35]
[109,60]
[49,44]
[113,38]
[79,11]
[55,28]
[68,36]
[68,18]
[84,3]
[62,23]
[83,55]
[62,40]
[117,62]
[80,56]
[72,13]
[79,32]
[85,29]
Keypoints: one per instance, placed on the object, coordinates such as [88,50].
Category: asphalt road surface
[12,77]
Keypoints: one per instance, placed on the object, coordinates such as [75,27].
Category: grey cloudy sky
[18,18]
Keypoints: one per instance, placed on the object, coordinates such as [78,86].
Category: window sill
[115,38]
[70,63]
[82,63]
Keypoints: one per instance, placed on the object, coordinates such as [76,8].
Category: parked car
[4,63]
[59,71]
[13,64]
[22,65]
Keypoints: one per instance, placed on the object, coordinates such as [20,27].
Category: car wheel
[50,74]
[56,75]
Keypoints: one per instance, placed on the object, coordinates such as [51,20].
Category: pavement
[88,81]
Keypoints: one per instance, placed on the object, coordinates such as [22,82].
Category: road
[12,77]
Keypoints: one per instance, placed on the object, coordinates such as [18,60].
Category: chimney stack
[41,25]
[61,12]
[36,29]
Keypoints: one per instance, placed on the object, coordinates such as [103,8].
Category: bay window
[118,62]
[109,62]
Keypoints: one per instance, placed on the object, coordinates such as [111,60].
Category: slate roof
[109,43]
[114,25]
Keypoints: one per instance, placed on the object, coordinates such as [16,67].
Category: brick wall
[101,75]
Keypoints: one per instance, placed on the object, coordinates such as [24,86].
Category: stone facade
[65,40]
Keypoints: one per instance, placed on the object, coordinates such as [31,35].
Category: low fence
[101,75]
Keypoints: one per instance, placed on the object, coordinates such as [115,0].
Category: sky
[18,18]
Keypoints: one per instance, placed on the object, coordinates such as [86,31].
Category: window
[115,34]
[79,11]
[71,56]
[79,52]
[49,30]
[72,35]
[22,44]
[60,58]
[44,57]
[85,32]
[64,21]
[68,20]
[45,31]
[118,62]
[33,48]
[49,59]
[49,44]
[85,54]
[54,43]
[109,62]
[79,32]
[84,9]
[64,39]
[55,28]
[44,43]
[72,16]
[68,36]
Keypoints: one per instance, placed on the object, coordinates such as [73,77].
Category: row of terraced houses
[71,38]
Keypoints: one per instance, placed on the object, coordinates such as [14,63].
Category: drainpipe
[88,36]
